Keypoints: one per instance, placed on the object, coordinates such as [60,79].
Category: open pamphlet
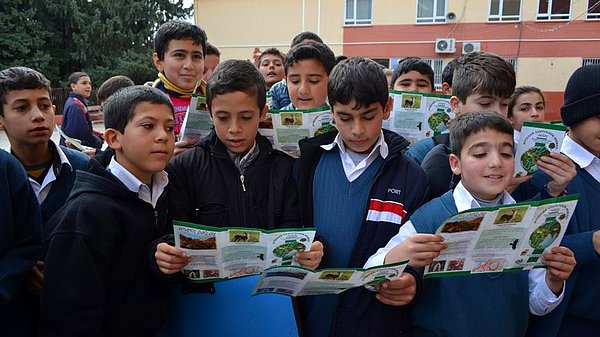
[299,281]
[284,128]
[76,143]
[223,253]
[503,238]
[537,140]
[197,123]
[418,115]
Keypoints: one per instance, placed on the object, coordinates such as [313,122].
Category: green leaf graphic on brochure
[438,120]
[544,235]
[531,156]
[288,249]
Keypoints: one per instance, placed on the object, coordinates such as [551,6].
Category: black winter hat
[582,95]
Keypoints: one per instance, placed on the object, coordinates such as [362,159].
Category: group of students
[86,245]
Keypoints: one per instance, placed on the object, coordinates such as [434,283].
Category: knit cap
[582,95]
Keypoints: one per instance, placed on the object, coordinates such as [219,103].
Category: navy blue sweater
[76,122]
[491,305]
[399,180]
[20,233]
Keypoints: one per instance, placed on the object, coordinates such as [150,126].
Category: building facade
[546,40]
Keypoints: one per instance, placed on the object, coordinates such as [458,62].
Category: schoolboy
[233,177]
[356,188]
[270,64]
[279,90]
[20,233]
[27,117]
[579,314]
[466,306]
[98,276]
[76,121]
[413,74]
[307,67]
[447,76]
[179,51]
[111,85]
[211,61]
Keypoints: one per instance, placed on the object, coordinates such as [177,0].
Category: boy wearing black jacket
[233,177]
[97,276]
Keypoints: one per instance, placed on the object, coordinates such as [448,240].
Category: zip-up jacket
[399,181]
[98,280]
[77,123]
[207,188]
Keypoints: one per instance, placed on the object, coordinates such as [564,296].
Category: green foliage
[101,37]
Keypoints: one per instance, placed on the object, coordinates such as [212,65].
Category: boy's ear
[1,123]
[263,112]
[157,62]
[454,164]
[455,103]
[387,109]
[113,139]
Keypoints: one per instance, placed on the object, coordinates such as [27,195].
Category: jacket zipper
[242,180]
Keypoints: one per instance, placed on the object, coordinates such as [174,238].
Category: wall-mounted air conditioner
[470,46]
[445,46]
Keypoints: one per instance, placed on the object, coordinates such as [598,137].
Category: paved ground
[98,126]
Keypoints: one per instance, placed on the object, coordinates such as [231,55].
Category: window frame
[592,16]
[437,75]
[432,19]
[354,21]
[586,61]
[549,16]
[514,61]
[503,18]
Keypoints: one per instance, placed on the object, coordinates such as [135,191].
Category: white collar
[380,147]
[577,153]
[159,182]
[464,200]
[61,153]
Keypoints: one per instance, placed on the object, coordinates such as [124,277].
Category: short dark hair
[177,30]
[20,78]
[120,107]
[236,75]
[270,51]
[357,78]
[520,91]
[448,72]
[305,36]
[212,50]
[413,63]
[113,84]
[311,50]
[74,77]
[468,124]
[483,73]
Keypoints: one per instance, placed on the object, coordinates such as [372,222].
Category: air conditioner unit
[470,46]
[445,46]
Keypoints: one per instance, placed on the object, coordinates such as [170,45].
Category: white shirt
[41,190]
[581,157]
[159,182]
[541,299]
[352,170]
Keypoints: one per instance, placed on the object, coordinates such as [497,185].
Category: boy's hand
[421,249]
[182,146]
[561,171]
[398,292]
[596,241]
[169,259]
[515,182]
[312,258]
[34,280]
[560,264]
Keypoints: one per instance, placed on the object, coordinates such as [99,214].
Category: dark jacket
[206,187]
[97,274]
[399,180]
[76,122]
[20,233]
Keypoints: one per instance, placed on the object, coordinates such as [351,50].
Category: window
[554,9]
[358,12]
[593,11]
[505,10]
[438,67]
[513,61]
[431,11]
[589,62]
[383,62]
